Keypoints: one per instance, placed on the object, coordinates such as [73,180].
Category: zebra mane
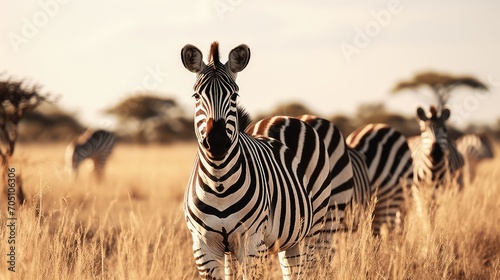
[433,111]
[244,119]
[84,137]
[214,54]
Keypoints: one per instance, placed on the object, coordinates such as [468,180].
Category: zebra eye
[234,95]
[196,96]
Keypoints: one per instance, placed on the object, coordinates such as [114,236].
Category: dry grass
[132,227]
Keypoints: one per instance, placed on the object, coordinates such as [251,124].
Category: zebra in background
[437,162]
[438,165]
[474,148]
[349,171]
[390,168]
[96,145]
[249,195]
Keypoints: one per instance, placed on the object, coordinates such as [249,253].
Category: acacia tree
[16,98]
[440,84]
[147,117]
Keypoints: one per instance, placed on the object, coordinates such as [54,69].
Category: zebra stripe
[362,187]
[348,171]
[474,148]
[437,162]
[334,165]
[341,170]
[249,195]
[96,145]
[389,164]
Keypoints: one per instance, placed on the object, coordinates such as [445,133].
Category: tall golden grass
[131,226]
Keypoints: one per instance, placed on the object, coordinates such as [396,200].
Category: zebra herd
[285,184]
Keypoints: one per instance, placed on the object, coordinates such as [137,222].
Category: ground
[131,226]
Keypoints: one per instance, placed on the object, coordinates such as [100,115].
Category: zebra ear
[421,114]
[238,58]
[192,58]
[445,114]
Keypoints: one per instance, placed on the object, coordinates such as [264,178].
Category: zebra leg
[231,266]
[299,260]
[210,263]
[99,165]
[460,181]
[252,255]
[324,245]
[387,207]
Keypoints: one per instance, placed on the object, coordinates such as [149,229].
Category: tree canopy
[441,84]
[146,117]
[16,99]
[48,122]
[143,106]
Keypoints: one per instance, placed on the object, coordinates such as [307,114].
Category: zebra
[385,152]
[474,147]
[96,145]
[249,195]
[437,162]
[349,171]
[438,165]
[341,172]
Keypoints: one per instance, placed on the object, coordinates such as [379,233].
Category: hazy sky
[331,55]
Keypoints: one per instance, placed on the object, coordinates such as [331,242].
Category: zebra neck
[218,175]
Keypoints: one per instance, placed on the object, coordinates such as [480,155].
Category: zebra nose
[205,143]
[436,152]
[216,142]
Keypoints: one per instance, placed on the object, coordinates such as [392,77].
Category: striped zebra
[341,172]
[437,162]
[349,171]
[249,195]
[96,145]
[388,160]
[474,147]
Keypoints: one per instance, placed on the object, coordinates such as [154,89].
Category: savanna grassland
[131,225]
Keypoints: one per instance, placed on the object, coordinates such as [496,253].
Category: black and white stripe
[436,160]
[350,173]
[348,169]
[389,164]
[96,145]
[336,158]
[474,147]
[249,195]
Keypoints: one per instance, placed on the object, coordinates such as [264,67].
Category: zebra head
[485,150]
[215,92]
[433,132]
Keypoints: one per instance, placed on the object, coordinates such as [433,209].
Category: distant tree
[441,85]
[292,109]
[16,99]
[146,117]
[344,123]
[371,113]
[377,113]
[49,123]
[143,106]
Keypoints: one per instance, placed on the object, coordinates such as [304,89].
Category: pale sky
[330,55]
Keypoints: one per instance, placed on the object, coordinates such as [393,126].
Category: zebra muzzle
[217,143]
[436,153]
